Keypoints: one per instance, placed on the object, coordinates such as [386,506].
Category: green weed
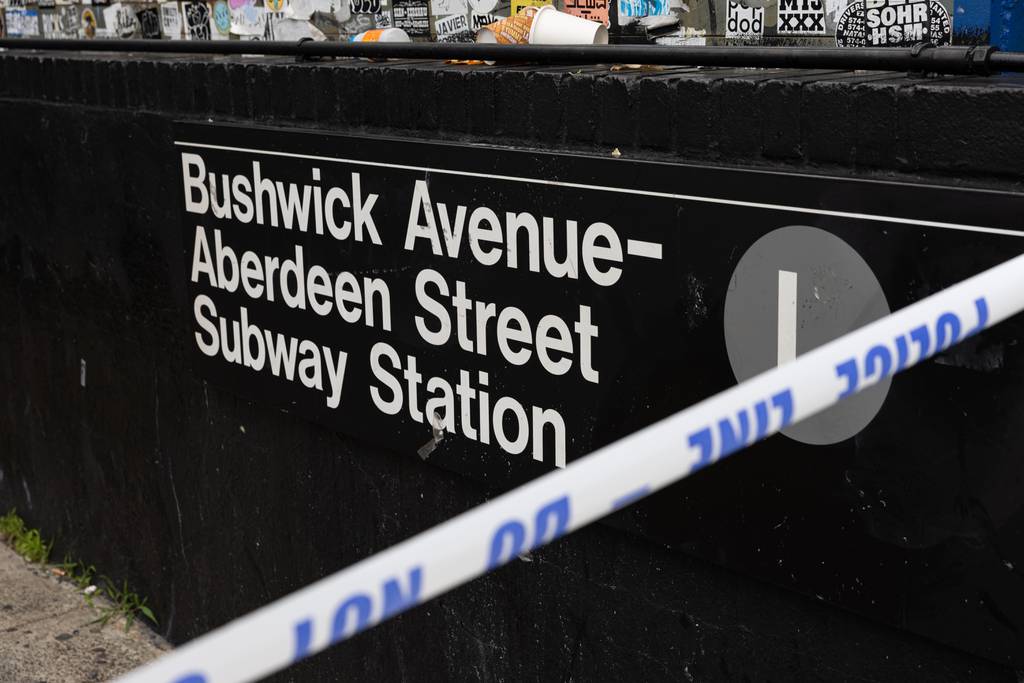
[32,547]
[26,542]
[79,574]
[126,604]
[11,526]
[29,544]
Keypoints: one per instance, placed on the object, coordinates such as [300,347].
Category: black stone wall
[212,505]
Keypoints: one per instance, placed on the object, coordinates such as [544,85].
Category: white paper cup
[551,27]
[485,35]
[382,35]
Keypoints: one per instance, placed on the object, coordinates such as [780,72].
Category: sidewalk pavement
[45,634]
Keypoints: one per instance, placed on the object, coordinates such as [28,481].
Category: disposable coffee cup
[382,35]
[514,30]
[551,27]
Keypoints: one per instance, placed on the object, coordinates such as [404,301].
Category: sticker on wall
[478,21]
[300,9]
[149,22]
[222,18]
[88,29]
[22,22]
[518,5]
[197,20]
[69,20]
[444,8]
[364,6]
[170,20]
[453,29]
[801,17]
[50,24]
[292,29]
[248,20]
[641,8]
[744,22]
[893,23]
[119,20]
[46,4]
[413,17]
[275,5]
[592,10]
[483,6]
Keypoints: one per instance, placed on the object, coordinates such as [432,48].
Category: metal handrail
[921,58]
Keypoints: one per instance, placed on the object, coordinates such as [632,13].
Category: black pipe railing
[922,58]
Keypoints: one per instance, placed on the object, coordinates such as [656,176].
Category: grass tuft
[29,544]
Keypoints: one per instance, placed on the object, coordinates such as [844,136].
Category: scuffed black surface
[212,505]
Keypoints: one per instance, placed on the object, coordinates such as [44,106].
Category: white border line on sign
[623,190]
[477,541]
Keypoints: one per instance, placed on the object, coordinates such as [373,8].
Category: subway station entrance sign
[501,313]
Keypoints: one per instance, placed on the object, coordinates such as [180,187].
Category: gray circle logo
[795,289]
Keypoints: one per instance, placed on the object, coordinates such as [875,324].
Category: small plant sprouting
[79,574]
[26,542]
[11,527]
[125,604]
[29,544]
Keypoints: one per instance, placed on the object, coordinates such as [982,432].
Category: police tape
[475,542]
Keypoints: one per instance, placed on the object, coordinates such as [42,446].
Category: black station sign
[502,312]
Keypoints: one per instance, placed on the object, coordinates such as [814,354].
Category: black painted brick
[198,74]
[581,107]
[118,87]
[962,129]
[427,98]
[34,77]
[615,120]
[546,107]
[480,98]
[164,82]
[398,111]
[969,127]
[133,87]
[511,104]
[101,79]
[738,119]
[374,99]
[877,144]
[693,117]
[181,87]
[324,94]
[282,95]
[261,94]
[781,125]
[348,82]
[828,124]
[48,74]
[218,88]
[301,81]
[149,88]
[238,79]
[654,100]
